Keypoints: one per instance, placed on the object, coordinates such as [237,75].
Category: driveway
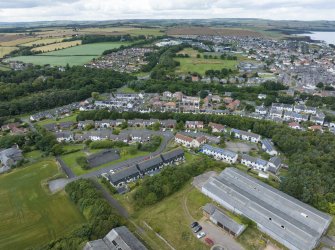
[219,236]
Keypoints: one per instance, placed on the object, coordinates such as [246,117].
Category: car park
[197,229]
[194,224]
[209,241]
[201,235]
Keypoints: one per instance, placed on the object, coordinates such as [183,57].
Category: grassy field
[124,30]
[170,219]
[16,42]
[57,46]
[29,215]
[6,50]
[77,55]
[200,65]
[4,67]
[44,41]
[71,118]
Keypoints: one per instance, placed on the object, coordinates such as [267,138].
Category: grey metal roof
[268,144]
[144,165]
[219,150]
[172,154]
[227,222]
[275,161]
[293,223]
[126,236]
[124,174]
[254,159]
[241,132]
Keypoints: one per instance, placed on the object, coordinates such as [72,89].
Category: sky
[49,10]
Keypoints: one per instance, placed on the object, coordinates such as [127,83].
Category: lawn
[57,46]
[77,55]
[33,155]
[71,118]
[200,65]
[30,216]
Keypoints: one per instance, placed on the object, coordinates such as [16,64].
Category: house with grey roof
[52,127]
[219,153]
[255,163]
[9,157]
[274,164]
[268,147]
[221,219]
[124,176]
[148,166]
[65,136]
[244,135]
[289,221]
[118,238]
[173,156]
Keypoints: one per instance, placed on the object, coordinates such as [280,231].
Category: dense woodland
[101,217]
[311,155]
[39,88]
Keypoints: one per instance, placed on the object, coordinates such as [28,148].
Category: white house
[219,153]
[194,124]
[254,163]
[268,147]
[244,135]
[65,136]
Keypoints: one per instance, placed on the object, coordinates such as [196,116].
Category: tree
[198,56]
[82,162]
[156,126]
[95,95]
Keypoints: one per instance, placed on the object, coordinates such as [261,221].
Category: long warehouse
[291,222]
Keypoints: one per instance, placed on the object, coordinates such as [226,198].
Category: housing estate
[219,153]
[244,135]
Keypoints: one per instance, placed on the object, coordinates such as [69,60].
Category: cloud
[33,10]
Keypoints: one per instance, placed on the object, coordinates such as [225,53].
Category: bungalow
[316,128]
[222,220]
[136,123]
[317,120]
[14,128]
[274,164]
[173,156]
[255,163]
[219,153]
[234,105]
[65,136]
[199,141]
[103,134]
[276,113]
[268,147]
[151,165]
[103,124]
[194,124]
[244,135]
[217,128]
[290,115]
[66,125]
[140,136]
[127,175]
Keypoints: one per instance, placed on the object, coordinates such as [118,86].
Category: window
[282,227]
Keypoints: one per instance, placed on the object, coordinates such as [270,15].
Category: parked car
[201,235]
[209,241]
[194,224]
[197,229]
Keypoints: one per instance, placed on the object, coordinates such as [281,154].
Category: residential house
[52,127]
[168,123]
[244,135]
[173,156]
[261,110]
[65,136]
[194,124]
[9,157]
[233,105]
[186,141]
[217,128]
[294,125]
[124,176]
[219,153]
[85,124]
[151,165]
[14,128]
[274,164]
[268,147]
[255,163]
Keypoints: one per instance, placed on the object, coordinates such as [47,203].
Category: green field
[30,216]
[71,118]
[200,65]
[77,55]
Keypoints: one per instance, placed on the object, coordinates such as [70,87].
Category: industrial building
[291,222]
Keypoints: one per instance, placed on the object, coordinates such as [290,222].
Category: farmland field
[77,55]
[44,41]
[212,32]
[56,46]
[29,215]
[123,30]
[200,65]
[17,41]
[6,50]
